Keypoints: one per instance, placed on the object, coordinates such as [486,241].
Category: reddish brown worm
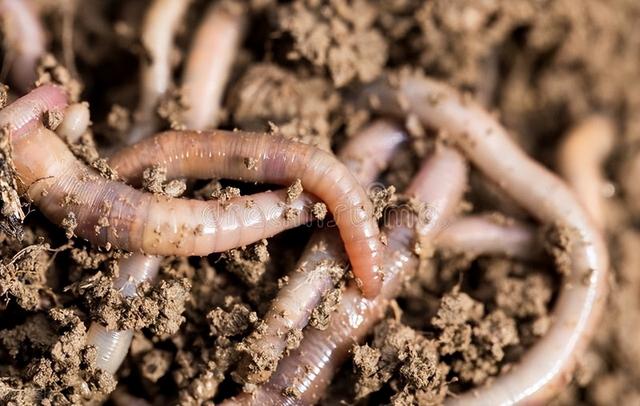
[549,364]
[262,157]
[25,41]
[366,155]
[159,27]
[109,212]
[580,160]
[209,64]
[482,235]
[309,369]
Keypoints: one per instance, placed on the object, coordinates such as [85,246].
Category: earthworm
[549,364]
[109,212]
[580,159]
[24,39]
[267,158]
[75,122]
[366,155]
[209,65]
[112,345]
[159,27]
[482,235]
[308,370]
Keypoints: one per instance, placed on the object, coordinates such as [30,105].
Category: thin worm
[266,158]
[159,27]
[25,40]
[482,235]
[366,155]
[111,212]
[308,370]
[76,121]
[113,345]
[582,153]
[549,364]
[209,65]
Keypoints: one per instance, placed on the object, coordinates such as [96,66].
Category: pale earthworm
[112,345]
[75,122]
[366,154]
[308,370]
[209,64]
[159,28]
[484,235]
[256,157]
[580,160]
[25,41]
[109,212]
[548,365]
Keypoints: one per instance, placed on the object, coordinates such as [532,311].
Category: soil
[540,66]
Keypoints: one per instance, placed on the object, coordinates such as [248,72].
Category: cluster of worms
[382,259]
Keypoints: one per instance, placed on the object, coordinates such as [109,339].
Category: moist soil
[540,65]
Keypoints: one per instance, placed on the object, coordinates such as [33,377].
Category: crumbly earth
[540,66]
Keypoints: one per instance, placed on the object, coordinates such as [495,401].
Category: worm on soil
[110,212]
[113,345]
[483,235]
[308,370]
[25,41]
[549,364]
[580,161]
[209,65]
[366,155]
[159,28]
[255,157]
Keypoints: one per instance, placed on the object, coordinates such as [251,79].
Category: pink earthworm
[109,212]
[549,364]
[308,370]
[262,157]
[25,41]
[60,185]
[482,235]
[366,155]
[580,160]
[112,345]
[159,28]
[209,65]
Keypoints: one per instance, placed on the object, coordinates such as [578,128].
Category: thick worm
[262,157]
[209,65]
[159,27]
[580,160]
[482,235]
[110,212]
[112,345]
[25,41]
[308,370]
[366,155]
[549,364]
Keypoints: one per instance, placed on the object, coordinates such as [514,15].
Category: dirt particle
[155,364]
[319,211]
[294,191]
[249,263]
[154,180]
[232,322]
[251,164]
[321,314]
